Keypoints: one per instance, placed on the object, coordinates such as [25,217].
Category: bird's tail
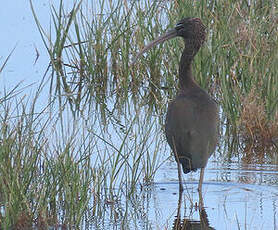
[186,165]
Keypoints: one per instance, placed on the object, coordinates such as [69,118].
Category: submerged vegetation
[100,138]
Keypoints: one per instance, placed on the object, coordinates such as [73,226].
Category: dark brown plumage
[192,117]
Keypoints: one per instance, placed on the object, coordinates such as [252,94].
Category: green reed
[95,51]
[39,177]
[53,169]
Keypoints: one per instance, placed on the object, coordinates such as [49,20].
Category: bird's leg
[180,177]
[201,202]
[201,180]
[179,168]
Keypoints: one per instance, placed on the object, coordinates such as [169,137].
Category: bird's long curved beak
[168,35]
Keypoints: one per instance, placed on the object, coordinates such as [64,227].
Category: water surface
[235,196]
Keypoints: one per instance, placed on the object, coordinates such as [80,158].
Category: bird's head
[192,30]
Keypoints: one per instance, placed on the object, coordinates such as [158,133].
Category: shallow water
[235,196]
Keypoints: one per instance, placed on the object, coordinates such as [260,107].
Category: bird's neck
[185,69]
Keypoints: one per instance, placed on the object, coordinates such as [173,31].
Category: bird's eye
[179,26]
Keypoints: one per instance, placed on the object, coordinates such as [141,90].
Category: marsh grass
[55,171]
[257,130]
[93,46]
[38,180]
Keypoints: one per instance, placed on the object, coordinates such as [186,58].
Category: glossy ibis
[192,117]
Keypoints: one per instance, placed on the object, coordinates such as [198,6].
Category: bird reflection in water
[190,224]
